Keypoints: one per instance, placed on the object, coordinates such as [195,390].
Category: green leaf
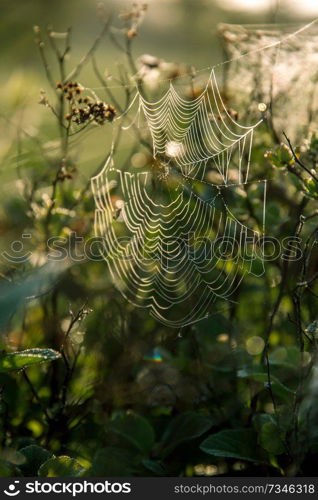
[21,359]
[35,456]
[61,467]
[270,440]
[112,462]
[8,470]
[259,419]
[311,188]
[232,443]
[134,429]
[182,428]
[280,157]
[278,388]
[12,456]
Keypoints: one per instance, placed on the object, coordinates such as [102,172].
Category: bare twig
[36,396]
[298,161]
[76,71]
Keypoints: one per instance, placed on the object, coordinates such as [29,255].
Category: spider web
[284,76]
[198,131]
[171,241]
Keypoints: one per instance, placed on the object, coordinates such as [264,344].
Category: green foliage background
[90,386]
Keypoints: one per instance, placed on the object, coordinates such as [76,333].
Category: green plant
[91,386]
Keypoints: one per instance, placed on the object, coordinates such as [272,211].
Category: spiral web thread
[158,239]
